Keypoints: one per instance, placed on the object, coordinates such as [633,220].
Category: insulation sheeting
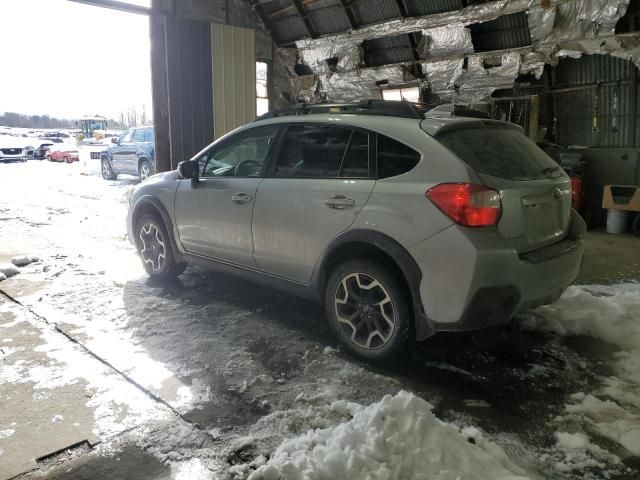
[567,28]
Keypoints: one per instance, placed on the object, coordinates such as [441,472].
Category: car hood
[163,177]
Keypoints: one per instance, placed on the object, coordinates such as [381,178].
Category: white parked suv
[12,150]
[400,222]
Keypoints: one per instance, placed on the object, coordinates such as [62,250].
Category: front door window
[242,155]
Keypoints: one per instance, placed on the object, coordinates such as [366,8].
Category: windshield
[501,152]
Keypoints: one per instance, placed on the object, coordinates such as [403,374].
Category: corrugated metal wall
[568,94]
[188,48]
[234,77]
[600,86]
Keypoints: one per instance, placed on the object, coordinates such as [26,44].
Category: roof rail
[453,110]
[388,108]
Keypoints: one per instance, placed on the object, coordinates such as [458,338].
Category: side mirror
[114,139]
[188,169]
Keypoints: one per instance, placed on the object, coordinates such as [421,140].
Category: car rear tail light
[467,204]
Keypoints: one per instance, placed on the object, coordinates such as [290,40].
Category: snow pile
[611,313]
[578,453]
[23,260]
[8,270]
[396,438]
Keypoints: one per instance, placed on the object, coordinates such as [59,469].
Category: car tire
[154,248]
[107,171]
[354,293]
[145,170]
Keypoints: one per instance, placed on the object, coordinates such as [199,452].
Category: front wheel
[369,311]
[107,171]
[154,248]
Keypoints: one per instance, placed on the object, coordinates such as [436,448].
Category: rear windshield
[500,152]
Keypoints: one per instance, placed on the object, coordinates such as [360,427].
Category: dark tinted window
[500,152]
[356,160]
[312,151]
[395,158]
[148,135]
[138,136]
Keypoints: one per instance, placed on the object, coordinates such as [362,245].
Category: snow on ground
[396,438]
[606,422]
[56,363]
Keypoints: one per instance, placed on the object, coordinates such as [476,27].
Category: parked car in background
[11,150]
[41,149]
[53,139]
[400,223]
[132,153]
[62,153]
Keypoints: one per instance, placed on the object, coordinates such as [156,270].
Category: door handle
[339,202]
[241,197]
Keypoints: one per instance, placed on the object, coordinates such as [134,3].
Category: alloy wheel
[145,171]
[106,169]
[152,246]
[365,311]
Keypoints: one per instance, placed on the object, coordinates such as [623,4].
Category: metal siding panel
[329,20]
[426,7]
[234,77]
[373,11]
[387,50]
[216,67]
[592,69]
[288,29]
[189,85]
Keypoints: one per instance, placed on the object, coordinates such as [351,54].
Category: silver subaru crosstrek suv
[401,221]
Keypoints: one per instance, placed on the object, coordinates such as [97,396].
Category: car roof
[384,115]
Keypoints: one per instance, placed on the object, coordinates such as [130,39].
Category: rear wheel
[107,171]
[154,248]
[369,311]
[145,170]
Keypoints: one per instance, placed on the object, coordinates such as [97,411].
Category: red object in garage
[577,193]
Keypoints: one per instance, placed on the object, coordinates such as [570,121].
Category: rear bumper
[472,279]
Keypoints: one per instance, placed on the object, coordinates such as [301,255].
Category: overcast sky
[66,59]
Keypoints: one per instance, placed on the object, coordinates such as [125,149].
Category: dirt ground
[104,374]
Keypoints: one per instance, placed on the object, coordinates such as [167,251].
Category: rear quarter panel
[398,206]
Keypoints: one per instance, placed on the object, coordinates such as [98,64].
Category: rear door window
[148,135]
[395,158]
[501,152]
[356,159]
[312,151]
[138,137]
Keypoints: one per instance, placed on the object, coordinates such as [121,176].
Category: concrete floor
[610,259]
[104,374]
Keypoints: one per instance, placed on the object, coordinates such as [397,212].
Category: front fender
[139,206]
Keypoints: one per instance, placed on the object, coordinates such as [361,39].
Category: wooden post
[160,91]
[534,112]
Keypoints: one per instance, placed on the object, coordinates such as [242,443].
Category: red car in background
[63,153]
